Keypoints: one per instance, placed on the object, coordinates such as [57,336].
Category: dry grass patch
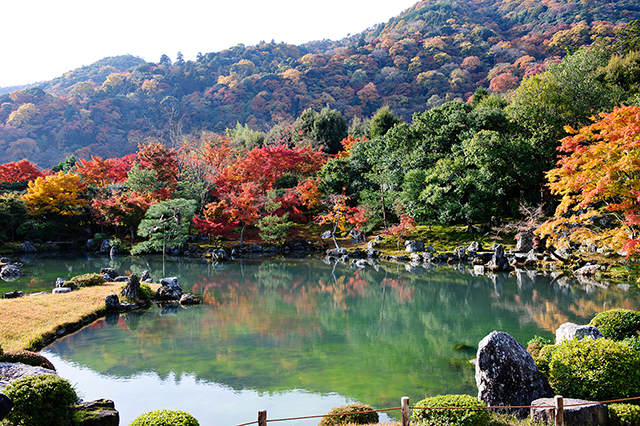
[27,322]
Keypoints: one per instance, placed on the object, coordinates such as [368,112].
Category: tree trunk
[244,226]
[384,209]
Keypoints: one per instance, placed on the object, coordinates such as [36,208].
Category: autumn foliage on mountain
[435,51]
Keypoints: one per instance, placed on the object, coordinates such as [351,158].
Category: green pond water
[299,336]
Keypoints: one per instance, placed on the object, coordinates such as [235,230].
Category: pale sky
[45,38]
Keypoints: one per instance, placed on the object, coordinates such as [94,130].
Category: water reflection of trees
[371,334]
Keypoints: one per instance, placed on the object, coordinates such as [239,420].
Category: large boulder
[576,412]
[26,247]
[132,289]
[10,371]
[112,303]
[110,272]
[570,331]
[10,270]
[357,236]
[413,246]
[506,374]
[499,262]
[170,289]
[524,241]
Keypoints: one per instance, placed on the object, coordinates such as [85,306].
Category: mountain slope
[435,51]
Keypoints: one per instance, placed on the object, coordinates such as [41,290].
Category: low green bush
[348,415]
[145,292]
[617,324]
[27,357]
[165,418]
[535,345]
[595,370]
[624,415]
[457,417]
[86,280]
[43,400]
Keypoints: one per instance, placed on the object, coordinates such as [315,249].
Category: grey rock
[357,236]
[10,270]
[60,290]
[109,271]
[121,279]
[378,239]
[431,249]
[373,253]
[253,248]
[26,247]
[427,257]
[415,257]
[575,414]
[59,282]
[114,251]
[10,371]
[112,303]
[170,289]
[412,246]
[5,260]
[524,241]
[372,244]
[132,289]
[506,374]
[326,235]
[337,252]
[105,247]
[13,294]
[189,299]
[499,262]
[145,275]
[475,247]
[587,271]
[570,331]
[218,255]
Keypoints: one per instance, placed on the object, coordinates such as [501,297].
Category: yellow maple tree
[59,194]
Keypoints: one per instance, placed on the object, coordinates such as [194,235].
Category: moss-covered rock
[27,357]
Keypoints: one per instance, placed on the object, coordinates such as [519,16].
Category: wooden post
[406,412]
[262,418]
[559,410]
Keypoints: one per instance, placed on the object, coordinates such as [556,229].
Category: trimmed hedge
[165,418]
[461,417]
[348,416]
[618,324]
[624,415]
[594,370]
[43,400]
[27,357]
[86,280]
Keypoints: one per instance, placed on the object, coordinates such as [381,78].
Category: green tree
[165,224]
[13,212]
[383,120]
[328,127]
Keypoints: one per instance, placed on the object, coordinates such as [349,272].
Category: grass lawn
[30,322]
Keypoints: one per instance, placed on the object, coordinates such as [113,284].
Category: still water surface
[299,336]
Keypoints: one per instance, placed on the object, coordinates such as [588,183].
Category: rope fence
[405,409]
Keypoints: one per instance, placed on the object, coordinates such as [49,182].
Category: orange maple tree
[598,179]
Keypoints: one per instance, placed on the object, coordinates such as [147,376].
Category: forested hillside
[436,51]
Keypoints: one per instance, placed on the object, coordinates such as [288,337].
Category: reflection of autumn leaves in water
[405,294]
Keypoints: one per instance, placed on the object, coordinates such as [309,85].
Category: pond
[299,336]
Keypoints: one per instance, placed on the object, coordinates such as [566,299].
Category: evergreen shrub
[624,415]
[348,415]
[617,324]
[86,280]
[457,417]
[595,370]
[43,400]
[165,418]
